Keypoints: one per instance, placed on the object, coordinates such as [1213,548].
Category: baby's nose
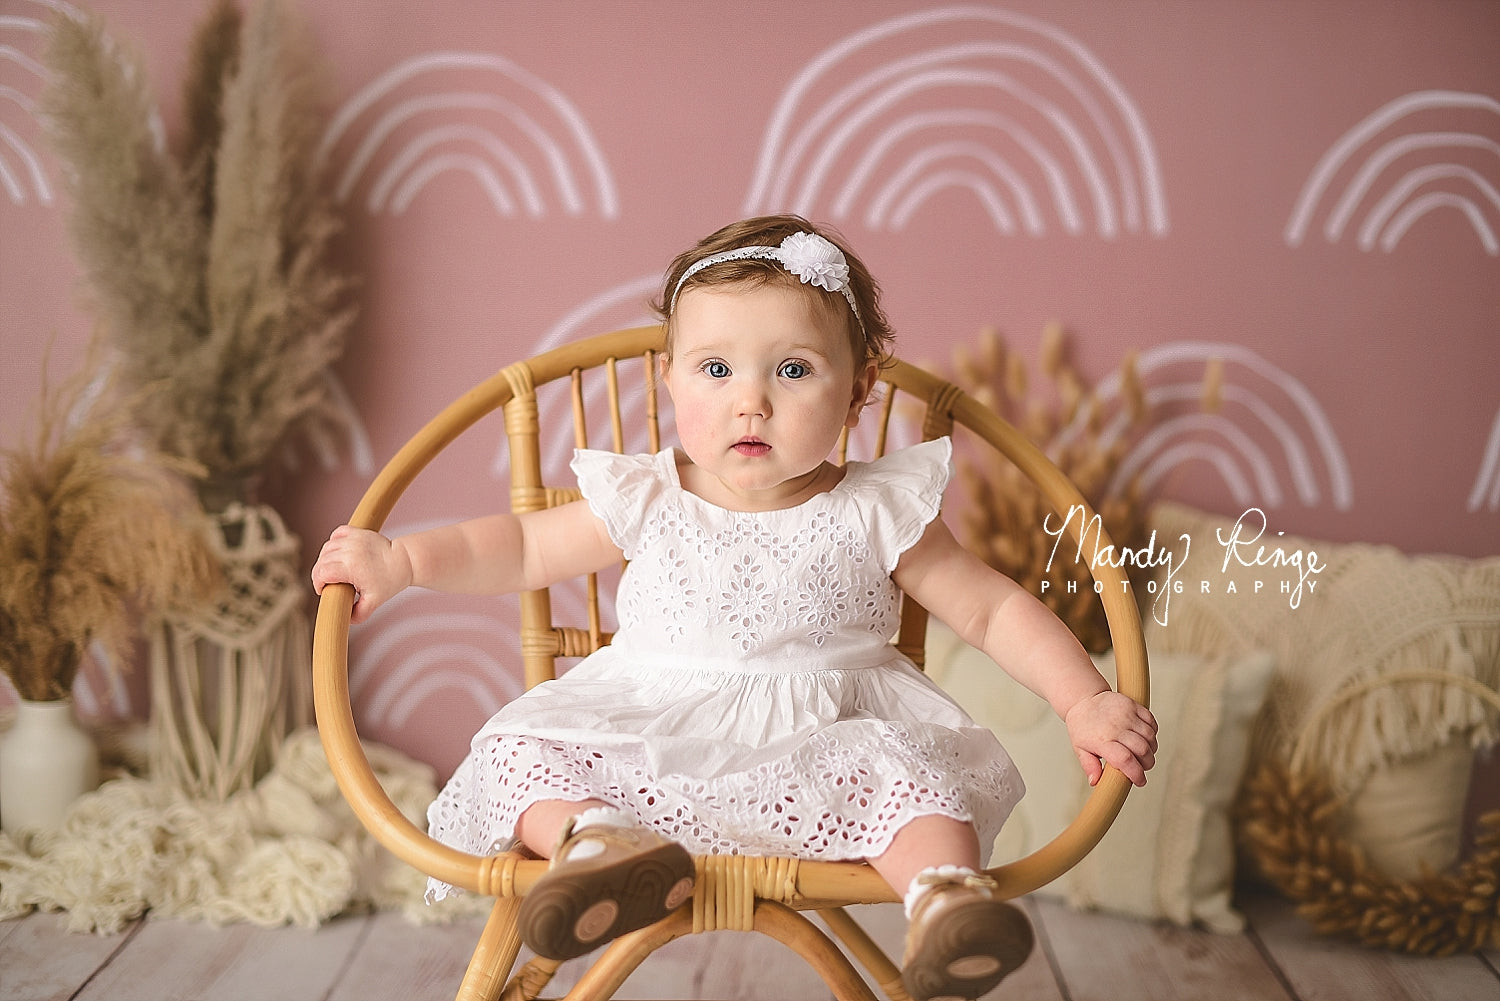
[754,401]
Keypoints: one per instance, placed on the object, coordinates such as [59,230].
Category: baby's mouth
[751,446]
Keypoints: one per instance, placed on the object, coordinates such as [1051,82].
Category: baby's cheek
[694,425]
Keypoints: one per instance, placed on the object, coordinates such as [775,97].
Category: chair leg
[494,955]
[792,929]
[530,980]
[885,972]
[625,953]
[771,918]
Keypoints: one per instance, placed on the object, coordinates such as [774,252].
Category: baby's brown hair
[870,334]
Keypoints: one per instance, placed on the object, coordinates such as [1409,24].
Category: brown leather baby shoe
[604,881]
[961,940]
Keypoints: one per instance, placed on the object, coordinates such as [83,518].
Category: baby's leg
[540,823]
[961,940]
[925,843]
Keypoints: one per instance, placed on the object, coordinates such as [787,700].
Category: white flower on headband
[808,256]
[816,261]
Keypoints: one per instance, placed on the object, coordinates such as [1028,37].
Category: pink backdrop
[1309,191]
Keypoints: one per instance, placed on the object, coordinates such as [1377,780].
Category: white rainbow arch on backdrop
[328,443]
[409,653]
[1486,491]
[852,135]
[22,76]
[615,308]
[1270,431]
[1399,179]
[520,138]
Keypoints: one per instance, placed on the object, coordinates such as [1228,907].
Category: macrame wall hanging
[230,680]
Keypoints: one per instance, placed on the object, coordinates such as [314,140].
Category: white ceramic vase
[47,760]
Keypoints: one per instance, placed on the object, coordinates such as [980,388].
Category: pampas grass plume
[212,274]
[138,235]
[94,530]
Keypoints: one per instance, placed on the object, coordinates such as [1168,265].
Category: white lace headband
[813,259]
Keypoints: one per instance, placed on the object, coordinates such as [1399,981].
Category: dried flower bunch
[1004,517]
[210,267]
[1289,826]
[91,533]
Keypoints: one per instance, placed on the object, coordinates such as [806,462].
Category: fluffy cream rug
[288,851]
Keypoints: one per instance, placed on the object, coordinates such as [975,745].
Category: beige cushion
[1169,855]
[1410,814]
[1374,612]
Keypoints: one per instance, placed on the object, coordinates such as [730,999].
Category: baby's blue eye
[716,369]
[795,370]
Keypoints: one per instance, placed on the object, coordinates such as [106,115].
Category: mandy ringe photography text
[1290,572]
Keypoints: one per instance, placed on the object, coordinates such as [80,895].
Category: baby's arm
[497,554]
[1018,632]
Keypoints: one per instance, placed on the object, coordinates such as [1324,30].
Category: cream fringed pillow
[1169,854]
[1399,751]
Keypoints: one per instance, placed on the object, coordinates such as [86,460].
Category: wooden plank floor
[1082,957]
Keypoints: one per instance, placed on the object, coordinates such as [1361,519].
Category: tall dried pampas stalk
[1004,520]
[274,301]
[93,530]
[137,232]
[211,271]
[212,62]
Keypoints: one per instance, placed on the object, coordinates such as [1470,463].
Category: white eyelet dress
[751,701]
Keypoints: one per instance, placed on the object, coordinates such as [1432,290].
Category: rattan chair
[733,892]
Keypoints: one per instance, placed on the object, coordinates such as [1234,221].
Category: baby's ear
[864,388]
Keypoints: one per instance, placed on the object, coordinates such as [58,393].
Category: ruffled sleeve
[899,494]
[620,489]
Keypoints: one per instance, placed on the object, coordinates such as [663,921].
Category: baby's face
[762,382]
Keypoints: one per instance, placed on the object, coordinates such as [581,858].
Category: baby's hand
[377,569]
[1116,728]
